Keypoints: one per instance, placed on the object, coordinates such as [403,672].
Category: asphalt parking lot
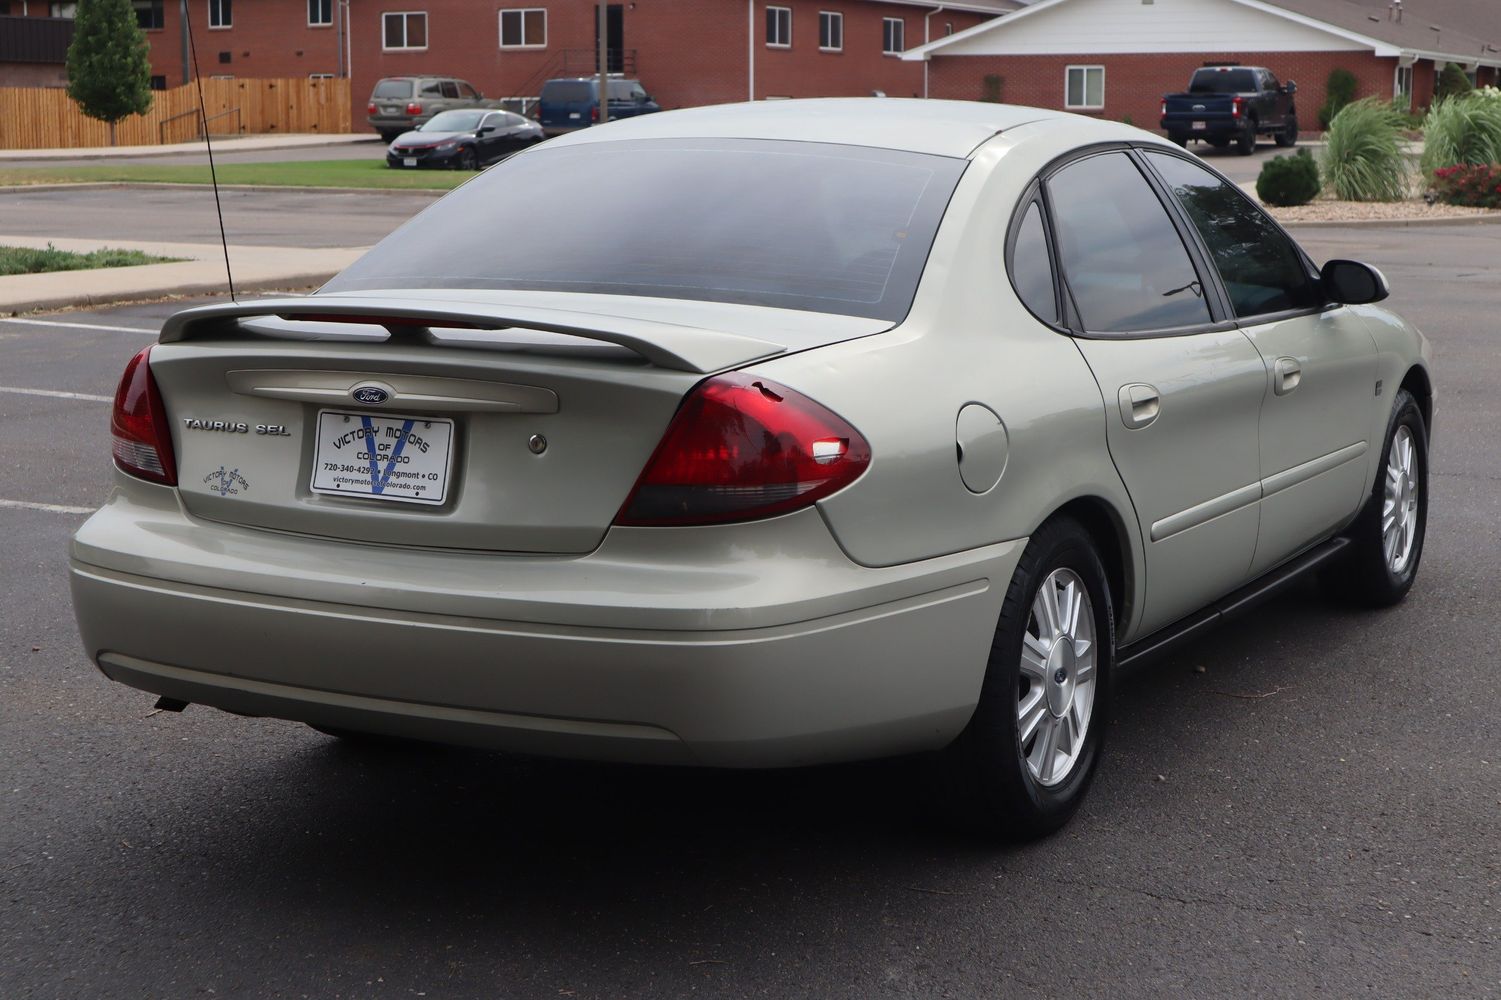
[1304,804]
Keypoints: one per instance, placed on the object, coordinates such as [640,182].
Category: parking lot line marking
[78,326]
[51,508]
[58,393]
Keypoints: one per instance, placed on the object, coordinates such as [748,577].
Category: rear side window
[798,225]
[1262,270]
[1123,261]
[567,90]
[1031,269]
[431,88]
[393,89]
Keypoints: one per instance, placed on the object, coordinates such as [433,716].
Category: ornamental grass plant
[1363,158]
[1462,130]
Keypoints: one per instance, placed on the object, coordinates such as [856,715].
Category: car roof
[943,128]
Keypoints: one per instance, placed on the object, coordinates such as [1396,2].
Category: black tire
[388,137]
[1219,142]
[1364,576]
[466,160]
[1180,140]
[983,778]
[1288,135]
[1245,142]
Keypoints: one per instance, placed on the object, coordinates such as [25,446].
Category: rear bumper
[745,645]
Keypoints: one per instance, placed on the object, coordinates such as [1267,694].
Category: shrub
[1452,82]
[1474,184]
[1462,130]
[1288,180]
[1339,90]
[1363,158]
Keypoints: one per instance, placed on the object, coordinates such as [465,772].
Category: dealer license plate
[392,111]
[382,456]
[409,161]
[1200,126]
[575,114]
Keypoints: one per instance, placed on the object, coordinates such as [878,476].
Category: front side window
[450,90]
[795,225]
[404,30]
[467,91]
[1261,269]
[1031,268]
[830,30]
[1126,267]
[148,14]
[1084,87]
[220,13]
[523,29]
[893,35]
[779,27]
[320,12]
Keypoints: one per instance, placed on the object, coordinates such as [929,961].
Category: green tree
[109,67]
[1339,90]
[1452,82]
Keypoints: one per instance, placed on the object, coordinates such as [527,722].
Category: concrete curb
[99,185]
[1447,220]
[230,145]
[187,289]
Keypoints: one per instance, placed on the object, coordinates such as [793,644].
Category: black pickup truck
[1228,103]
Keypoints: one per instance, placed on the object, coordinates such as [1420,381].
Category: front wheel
[466,160]
[1022,765]
[1288,136]
[1386,540]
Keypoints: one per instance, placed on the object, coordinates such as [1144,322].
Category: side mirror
[1292,87]
[485,130]
[1353,283]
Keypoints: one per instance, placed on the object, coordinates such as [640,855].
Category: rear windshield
[567,90]
[837,229]
[1223,81]
[393,88]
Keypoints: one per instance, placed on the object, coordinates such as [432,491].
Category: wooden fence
[46,118]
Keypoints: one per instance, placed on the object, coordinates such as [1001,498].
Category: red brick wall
[1134,84]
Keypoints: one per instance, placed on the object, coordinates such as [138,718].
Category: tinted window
[567,90]
[1031,271]
[1261,269]
[1122,258]
[431,88]
[453,121]
[450,89]
[838,229]
[467,91]
[393,89]
[1223,81]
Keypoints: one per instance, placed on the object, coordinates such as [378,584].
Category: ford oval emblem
[370,394]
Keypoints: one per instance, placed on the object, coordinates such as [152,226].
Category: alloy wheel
[1056,692]
[1399,507]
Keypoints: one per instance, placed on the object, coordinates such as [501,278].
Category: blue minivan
[572,103]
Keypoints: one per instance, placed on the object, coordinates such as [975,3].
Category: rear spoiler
[666,345]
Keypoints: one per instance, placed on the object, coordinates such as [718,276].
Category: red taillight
[742,448]
[1164,109]
[1235,107]
[142,440]
[594,113]
[370,108]
[414,108]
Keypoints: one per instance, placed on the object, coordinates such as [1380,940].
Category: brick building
[686,52]
[1116,58]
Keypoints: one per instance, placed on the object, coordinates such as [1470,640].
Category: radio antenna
[212,173]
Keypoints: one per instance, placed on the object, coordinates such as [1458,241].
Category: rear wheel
[1245,142]
[1386,540]
[1289,134]
[1022,765]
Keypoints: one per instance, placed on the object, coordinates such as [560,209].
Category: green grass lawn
[299,173]
[22,260]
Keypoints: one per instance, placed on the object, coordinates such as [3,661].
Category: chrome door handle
[1140,404]
[1286,375]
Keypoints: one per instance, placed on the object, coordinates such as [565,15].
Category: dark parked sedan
[463,140]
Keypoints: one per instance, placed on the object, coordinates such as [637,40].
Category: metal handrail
[161,131]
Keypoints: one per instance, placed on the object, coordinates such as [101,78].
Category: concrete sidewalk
[222,144]
[199,272]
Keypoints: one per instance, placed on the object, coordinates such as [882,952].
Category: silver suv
[400,103]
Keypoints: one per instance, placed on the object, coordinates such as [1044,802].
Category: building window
[404,30]
[1084,87]
[159,82]
[779,27]
[320,13]
[1402,87]
[893,35]
[68,10]
[523,29]
[148,14]
[320,76]
[830,31]
[221,13]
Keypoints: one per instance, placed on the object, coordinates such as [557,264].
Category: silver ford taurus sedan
[829,430]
